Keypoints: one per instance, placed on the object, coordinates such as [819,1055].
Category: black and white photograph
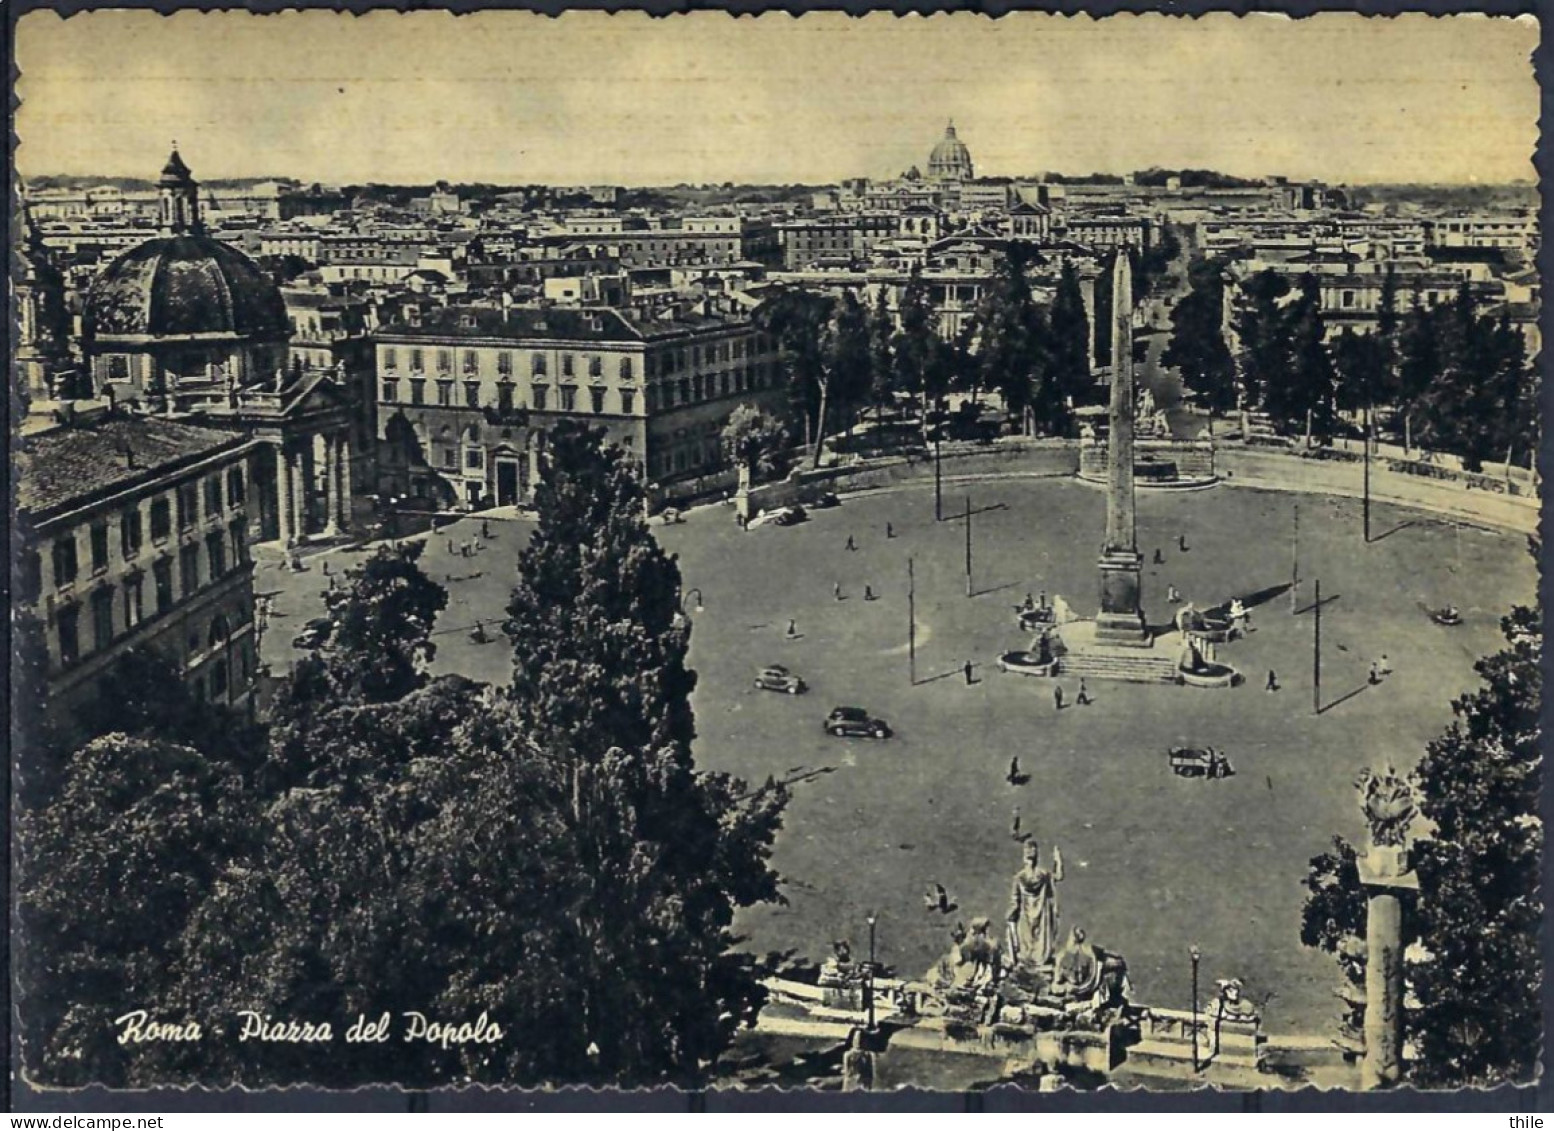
[813,552]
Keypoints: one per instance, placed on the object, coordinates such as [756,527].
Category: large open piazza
[1154,862]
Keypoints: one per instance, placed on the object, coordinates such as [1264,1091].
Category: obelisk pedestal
[1121,618]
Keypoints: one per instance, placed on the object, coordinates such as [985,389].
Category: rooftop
[72,464]
[519,323]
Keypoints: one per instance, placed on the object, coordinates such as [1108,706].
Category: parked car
[779,678]
[855,722]
[826,501]
[314,634]
[780,516]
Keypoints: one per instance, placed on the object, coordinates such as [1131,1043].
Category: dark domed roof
[185,285]
[950,157]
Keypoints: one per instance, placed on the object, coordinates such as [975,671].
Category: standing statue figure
[1033,909]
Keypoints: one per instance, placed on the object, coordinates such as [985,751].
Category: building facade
[466,396]
[135,534]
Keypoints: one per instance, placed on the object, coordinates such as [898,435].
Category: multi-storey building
[466,395]
[135,533]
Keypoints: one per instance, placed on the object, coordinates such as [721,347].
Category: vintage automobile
[855,722]
[779,516]
[314,634]
[826,501]
[1195,762]
[778,678]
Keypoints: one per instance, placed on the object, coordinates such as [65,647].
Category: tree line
[545,852]
[843,356]
[1449,378]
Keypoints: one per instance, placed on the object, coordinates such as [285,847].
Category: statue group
[1036,965]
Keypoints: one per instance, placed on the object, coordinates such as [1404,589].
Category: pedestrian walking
[890,531]
[1181,542]
[1013,776]
[966,670]
[1159,557]
[485,529]
[793,630]
[836,590]
[1042,600]
[1014,823]
[868,593]
[450,547]
[1384,665]
[1057,696]
[1375,677]
[326,567]
[1083,698]
[1172,596]
[1273,681]
[851,545]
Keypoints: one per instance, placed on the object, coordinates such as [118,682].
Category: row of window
[688,390]
[64,559]
[224,550]
[670,361]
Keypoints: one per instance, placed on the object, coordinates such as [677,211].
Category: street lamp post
[1195,954]
[968,545]
[938,480]
[1316,649]
[872,919]
[911,623]
[1366,505]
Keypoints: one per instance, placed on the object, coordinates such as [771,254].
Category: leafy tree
[1304,397]
[1333,921]
[916,344]
[1197,346]
[1069,327]
[1011,346]
[1419,362]
[754,442]
[1359,364]
[1480,1017]
[848,367]
[665,852]
[144,695]
[882,352]
[1262,327]
[112,868]
[797,320]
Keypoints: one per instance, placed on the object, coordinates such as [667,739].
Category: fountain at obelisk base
[1118,643]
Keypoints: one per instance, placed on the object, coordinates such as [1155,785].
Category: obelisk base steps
[1120,622]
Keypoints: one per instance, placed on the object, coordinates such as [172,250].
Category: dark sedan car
[855,722]
[314,634]
[778,678]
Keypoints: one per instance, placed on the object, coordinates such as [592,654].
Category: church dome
[950,158]
[185,285]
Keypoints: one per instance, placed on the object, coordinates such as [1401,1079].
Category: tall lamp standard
[872,919]
[1195,954]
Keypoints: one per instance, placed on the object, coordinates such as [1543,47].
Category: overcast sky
[593,98]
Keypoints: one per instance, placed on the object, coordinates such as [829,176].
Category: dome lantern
[180,197]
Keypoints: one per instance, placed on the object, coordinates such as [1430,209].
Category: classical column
[1087,293]
[297,464]
[1388,805]
[285,514]
[343,454]
[331,487]
[1121,619]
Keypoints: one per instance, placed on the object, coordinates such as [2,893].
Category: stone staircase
[1144,666]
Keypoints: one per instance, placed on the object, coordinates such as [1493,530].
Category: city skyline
[707,99]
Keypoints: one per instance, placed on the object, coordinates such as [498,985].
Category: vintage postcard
[828,553]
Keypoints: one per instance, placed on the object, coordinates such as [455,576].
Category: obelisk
[1121,620]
